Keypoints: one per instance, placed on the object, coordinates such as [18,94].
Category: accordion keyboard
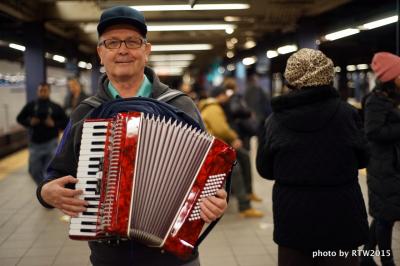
[89,174]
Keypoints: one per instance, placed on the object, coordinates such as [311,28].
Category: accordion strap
[211,226]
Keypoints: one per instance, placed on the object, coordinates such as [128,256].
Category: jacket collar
[305,96]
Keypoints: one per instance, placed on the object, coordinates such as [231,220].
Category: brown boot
[251,213]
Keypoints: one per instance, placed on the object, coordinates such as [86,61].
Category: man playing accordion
[124,51]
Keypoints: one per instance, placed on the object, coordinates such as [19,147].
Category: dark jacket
[382,126]
[69,152]
[41,109]
[313,146]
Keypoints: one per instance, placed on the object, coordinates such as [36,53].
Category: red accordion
[144,178]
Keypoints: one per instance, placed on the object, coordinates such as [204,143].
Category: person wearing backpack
[124,52]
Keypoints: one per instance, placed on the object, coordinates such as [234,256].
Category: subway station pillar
[95,75]
[307,34]
[35,62]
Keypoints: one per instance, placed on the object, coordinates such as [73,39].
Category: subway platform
[31,235]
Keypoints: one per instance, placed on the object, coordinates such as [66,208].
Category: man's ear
[99,52]
[147,52]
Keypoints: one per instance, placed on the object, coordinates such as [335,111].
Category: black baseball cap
[122,15]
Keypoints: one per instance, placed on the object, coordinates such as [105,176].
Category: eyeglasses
[116,44]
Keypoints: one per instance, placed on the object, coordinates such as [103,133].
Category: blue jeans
[40,155]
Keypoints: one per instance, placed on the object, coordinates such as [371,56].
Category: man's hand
[49,122]
[34,121]
[55,194]
[236,144]
[213,207]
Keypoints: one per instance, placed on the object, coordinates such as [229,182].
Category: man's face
[43,92]
[123,63]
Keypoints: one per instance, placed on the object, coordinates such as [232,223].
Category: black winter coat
[313,146]
[382,126]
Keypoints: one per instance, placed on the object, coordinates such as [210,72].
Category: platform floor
[34,236]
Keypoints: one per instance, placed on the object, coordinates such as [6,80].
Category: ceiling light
[168,71]
[171,57]
[351,68]
[234,40]
[337,69]
[287,49]
[59,58]
[229,30]
[82,64]
[230,67]
[17,46]
[181,47]
[362,66]
[171,64]
[379,23]
[341,34]
[189,27]
[230,45]
[221,70]
[88,66]
[230,54]
[249,60]
[272,53]
[249,44]
[226,6]
[231,19]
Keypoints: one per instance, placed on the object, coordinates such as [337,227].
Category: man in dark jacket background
[313,146]
[44,119]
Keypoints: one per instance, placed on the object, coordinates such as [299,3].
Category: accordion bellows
[145,177]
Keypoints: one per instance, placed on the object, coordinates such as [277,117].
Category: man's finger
[67,179]
[67,192]
[73,208]
[214,203]
[221,193]
[72,214]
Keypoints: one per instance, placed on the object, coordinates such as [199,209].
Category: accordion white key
[145,177]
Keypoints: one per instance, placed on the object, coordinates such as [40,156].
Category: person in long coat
[382,127]
[313,146]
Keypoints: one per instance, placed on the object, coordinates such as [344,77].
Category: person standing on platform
[217,125]
[124,52]
[312,146]
[382,127]
[244,122]
[44,119]
[74,96]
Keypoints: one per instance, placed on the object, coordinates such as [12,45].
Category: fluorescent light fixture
[88,66]
[231,19]
[351,68]
[287,49]
[379,23]
[171,57]
[189,27]
[230,67]
[249,44]
[168,71]
[272,53]
[337,69]
[230,54]
[249,60]
[234,40]
[181,47]
[59,58]
[362,66]
[341,34]
[16,46]
[82,64]
[171,63]
[230,45]
[226,6]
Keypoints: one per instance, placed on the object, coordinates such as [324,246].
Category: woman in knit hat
[382,126]
[313,146]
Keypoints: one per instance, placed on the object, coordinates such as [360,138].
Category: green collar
[144,90]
